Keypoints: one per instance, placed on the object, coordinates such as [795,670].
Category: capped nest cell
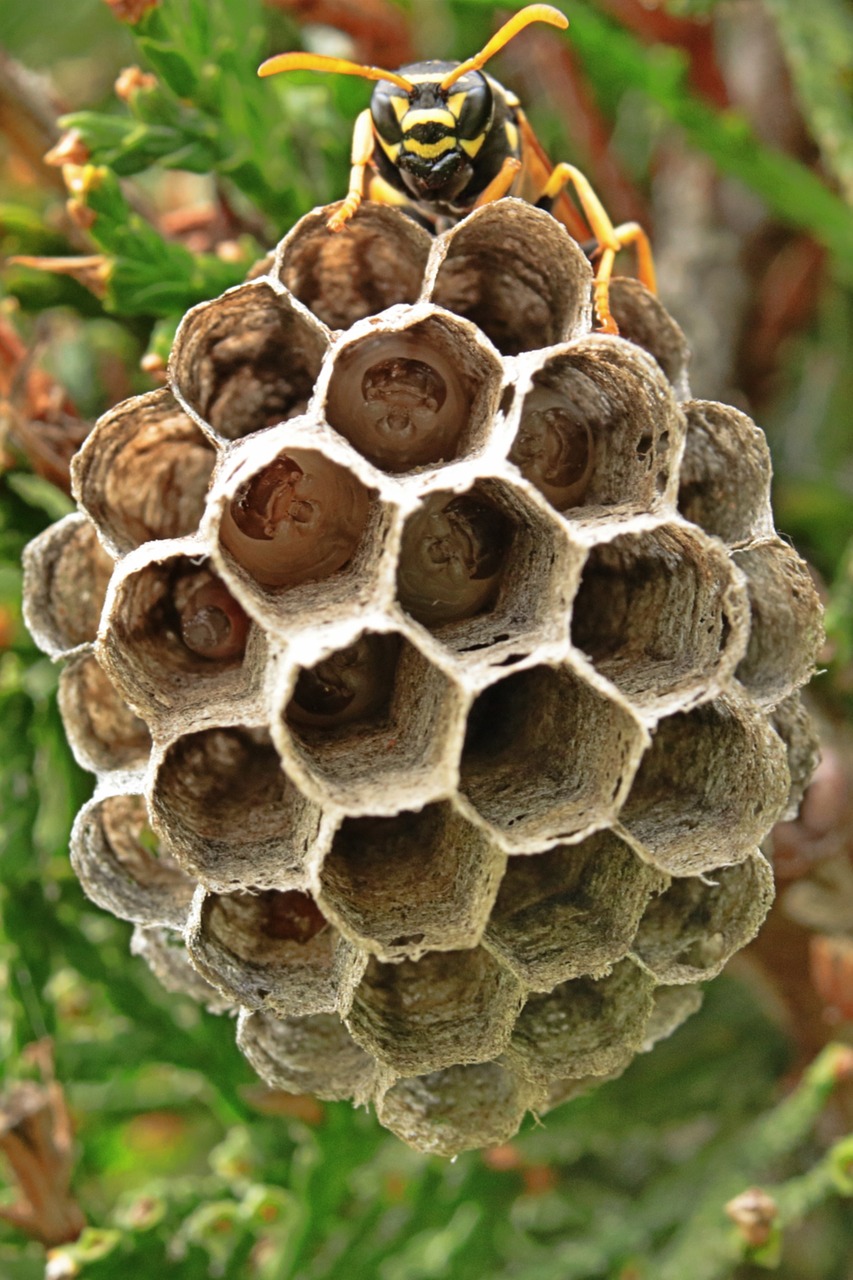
[440,667]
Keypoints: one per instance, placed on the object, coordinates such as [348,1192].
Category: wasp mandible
[441,139]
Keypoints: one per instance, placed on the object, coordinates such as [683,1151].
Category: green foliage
[818,42]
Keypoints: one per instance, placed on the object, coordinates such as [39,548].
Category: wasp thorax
[297,520]
[399,401]
[212,623]
[554,448]
[452,558]
[349,685]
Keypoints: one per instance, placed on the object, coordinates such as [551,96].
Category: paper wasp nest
[439,662]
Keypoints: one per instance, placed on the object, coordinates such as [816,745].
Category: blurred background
[127,1114]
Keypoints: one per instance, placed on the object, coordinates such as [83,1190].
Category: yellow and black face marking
[431,137]
[442,139]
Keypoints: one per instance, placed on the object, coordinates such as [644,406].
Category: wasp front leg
[363,143]
[610,239]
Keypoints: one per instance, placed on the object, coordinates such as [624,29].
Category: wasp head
[430,134]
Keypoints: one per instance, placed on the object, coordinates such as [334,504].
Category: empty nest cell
[102,730]
[571,911]
[232,817]
[379,261]
[785,631]
[368,726]
[270,950]
[711,785]
[293,518]
[517,274]
[725,473]
[164,952]
[313,1054]
[660,614]
[178,638]
[798,731]
[691,931]
[447,1008]
[124,867]
[458,1109]
[547,757]
[144,471]
[597,429]
[420,881]
[417,393]
[589,1026]
[247,360]
[66,575]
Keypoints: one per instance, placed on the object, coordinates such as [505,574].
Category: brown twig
[36,1139]
[28,114]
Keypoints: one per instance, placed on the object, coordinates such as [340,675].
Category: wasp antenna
[340,66]
[533,13]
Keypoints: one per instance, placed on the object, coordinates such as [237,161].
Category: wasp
[441,139]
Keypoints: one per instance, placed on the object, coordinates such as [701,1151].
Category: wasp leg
[363,143]
[500,184]
[610,239]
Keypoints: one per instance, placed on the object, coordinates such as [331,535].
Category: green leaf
[818,42]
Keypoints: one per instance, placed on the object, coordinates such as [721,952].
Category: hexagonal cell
[725,473]
[690,932]
[571,911]
[313,1055]
[102,730]
[421,391]
[661,614]
[643,320]
[458,1109]
[231,816]
[547,757]
[179,640]
[447,1008]
[164,952]
[271,950]
[247,360]
[377,262]
[711,785]
[786,622]
[66,574]
[293,517]
[413,883]
[124,868]
[517,273]
[799,733]
[589,1026]
[672,1007]
[486,571]
[566,1090]
[599,428]
[143,472]
[370,724]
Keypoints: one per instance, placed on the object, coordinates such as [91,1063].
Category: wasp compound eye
[212,623]
[399,400]
[348,685]
[554,448]
[299,519]
[452,558]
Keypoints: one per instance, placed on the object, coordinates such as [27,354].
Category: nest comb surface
[439,665]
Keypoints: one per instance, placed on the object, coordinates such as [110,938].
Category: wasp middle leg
[609,239]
